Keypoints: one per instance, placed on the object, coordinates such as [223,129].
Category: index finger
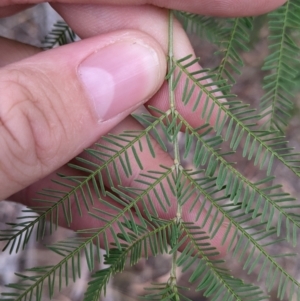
[225,8]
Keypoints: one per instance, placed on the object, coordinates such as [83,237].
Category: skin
[224,8]
[28,75]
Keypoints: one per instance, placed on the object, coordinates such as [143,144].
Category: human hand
[50,114]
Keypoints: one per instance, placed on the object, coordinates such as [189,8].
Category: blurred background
[31,27]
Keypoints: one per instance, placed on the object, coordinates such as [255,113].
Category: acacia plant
[259,214]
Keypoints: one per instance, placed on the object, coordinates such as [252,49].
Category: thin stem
[170,62]
[172,102]
[173,277]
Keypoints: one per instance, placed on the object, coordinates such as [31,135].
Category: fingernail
[119,77]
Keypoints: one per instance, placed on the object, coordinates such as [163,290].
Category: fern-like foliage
[258,214]
[276,104]
[61,34]
[230,35]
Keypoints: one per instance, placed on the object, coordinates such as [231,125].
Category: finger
[58,102]
[12,9]
[208,7]
[146,196]
[89,20]
[13,51]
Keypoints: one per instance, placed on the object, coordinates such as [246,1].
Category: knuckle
[30,128]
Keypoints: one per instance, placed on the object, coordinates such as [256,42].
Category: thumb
[56,103]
